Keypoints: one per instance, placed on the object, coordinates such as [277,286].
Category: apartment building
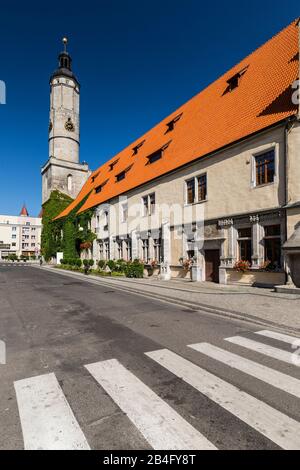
[20,235]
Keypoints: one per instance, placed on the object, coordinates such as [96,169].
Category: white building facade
[20,235]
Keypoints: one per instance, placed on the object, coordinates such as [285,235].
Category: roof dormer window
[137,147]
[100,187]
[113,164]
[157,155]
[234,81]
[121,176]
[93,177]
[171,124]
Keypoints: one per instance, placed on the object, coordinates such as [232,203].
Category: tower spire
[65,42]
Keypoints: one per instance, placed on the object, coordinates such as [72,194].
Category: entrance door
[212,263]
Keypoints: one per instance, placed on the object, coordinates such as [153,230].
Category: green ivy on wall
[51,239]
[70,234]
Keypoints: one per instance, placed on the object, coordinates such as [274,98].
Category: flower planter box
[179,272]
[255,277]
[151,271]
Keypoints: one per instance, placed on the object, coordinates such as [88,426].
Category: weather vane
[65,42]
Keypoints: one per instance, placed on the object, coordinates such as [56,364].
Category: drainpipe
[288,126]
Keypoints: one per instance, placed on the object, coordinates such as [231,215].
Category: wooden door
[212,263]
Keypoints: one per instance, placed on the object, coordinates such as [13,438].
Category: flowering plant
[242,266]
[153,263]
[187,263]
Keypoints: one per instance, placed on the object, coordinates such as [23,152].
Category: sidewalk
[262,306]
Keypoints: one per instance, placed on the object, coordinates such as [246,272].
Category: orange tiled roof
[210,121]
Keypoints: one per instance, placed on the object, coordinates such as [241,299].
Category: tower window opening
[69,182]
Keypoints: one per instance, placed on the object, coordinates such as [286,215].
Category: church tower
[63,171]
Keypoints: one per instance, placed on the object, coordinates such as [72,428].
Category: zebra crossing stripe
[262,348]
[279,336]
[276,426]
[162,427]
[270,376]
[47,420]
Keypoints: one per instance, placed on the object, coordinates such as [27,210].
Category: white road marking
[273,424]
[47,420]
[162,427]
[270,376]
[262,348]
[279,336]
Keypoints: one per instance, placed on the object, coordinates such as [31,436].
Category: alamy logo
[2,92]
[2,352]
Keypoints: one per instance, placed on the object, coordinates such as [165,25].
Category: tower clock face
[69,126]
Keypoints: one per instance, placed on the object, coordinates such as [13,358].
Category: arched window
[69,181]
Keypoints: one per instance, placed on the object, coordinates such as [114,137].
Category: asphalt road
[53,326]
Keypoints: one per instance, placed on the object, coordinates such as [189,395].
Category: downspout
[288,127]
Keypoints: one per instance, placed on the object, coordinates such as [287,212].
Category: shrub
[111,264]
[101,264]
[120,266]
[91,262]
[63,261]
[79,263]
[86,262]
[135,269]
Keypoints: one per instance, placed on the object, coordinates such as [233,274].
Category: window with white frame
[264,168]
[245,244]
[196,189]
[120,249]
[124,212]
[128,249]
[157,249]
[272,245]
[101,250]
[106,248]
[145,250]
[105,220]
[152,203]
[148,204]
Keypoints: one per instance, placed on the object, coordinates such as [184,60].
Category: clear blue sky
[137,61]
